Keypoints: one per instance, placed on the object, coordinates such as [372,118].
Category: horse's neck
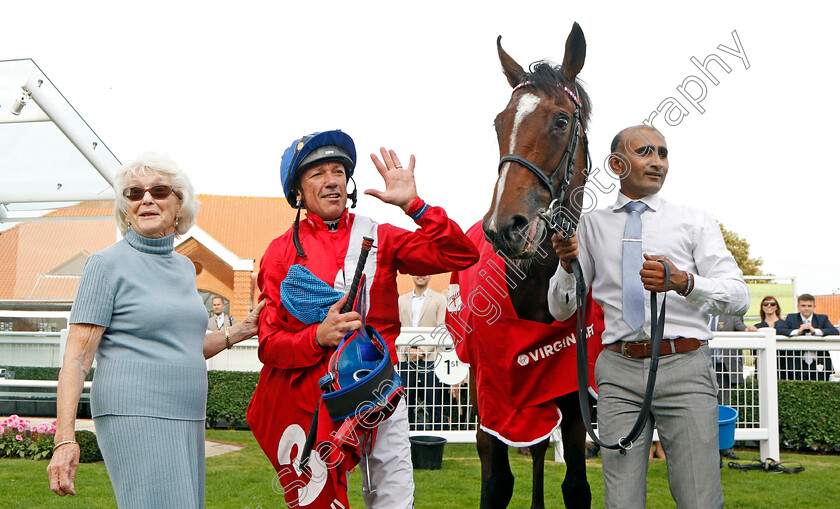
[530,295]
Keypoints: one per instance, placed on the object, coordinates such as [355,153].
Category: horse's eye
[561,123]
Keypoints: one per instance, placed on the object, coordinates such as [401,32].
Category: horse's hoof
[576,494]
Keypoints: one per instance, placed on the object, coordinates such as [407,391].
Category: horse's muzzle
[517,238]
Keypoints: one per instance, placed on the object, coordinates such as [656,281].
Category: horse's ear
[575,53]
[514,72]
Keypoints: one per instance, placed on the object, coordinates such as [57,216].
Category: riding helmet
[315,148]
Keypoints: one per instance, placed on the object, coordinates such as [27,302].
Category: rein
[657,328]
[557,223]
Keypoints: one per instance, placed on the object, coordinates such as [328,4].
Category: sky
[223,91]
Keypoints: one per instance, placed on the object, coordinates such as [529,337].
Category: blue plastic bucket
[726,420]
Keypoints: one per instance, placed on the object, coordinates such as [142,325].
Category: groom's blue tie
[633,292]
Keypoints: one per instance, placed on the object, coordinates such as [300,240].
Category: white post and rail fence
[437,385]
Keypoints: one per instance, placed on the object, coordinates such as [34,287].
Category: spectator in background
[219,320]
[424,400]
[810,365]
[422,307]
[806,322]
[771,312]
[656,450]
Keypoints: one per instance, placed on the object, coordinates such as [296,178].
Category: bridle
[558,182]
[557,223]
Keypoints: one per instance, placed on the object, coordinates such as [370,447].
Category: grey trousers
[390,470]
[685,410]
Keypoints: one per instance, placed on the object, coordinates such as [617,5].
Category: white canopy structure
[36,122]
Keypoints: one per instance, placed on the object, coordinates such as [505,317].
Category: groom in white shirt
[618,247]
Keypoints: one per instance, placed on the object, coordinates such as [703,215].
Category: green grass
[243,479]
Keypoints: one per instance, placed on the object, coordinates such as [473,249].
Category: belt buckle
[647,349]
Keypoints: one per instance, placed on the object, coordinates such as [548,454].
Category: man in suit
[811,365]
[422,307]
[219,320]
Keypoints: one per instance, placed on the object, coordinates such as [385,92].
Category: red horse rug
[520,366]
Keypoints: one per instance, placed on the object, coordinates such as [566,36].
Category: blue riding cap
[315,148]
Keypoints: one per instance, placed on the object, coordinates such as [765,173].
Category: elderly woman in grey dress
[138,312]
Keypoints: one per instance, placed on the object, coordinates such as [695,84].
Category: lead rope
[768,465]
[657,328]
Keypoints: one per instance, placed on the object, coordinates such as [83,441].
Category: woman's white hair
[151,162]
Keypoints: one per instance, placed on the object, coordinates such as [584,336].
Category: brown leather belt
[642,349]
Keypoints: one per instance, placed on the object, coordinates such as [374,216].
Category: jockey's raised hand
[400,189]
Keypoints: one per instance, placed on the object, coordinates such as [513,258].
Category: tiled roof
[8,261]
[828,305]
[54,287]
[244,224]
[34,248]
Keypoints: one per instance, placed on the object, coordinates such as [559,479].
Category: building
[828,305]
[41,261]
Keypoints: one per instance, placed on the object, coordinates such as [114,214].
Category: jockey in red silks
[315,171]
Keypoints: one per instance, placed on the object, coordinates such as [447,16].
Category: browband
[567,89]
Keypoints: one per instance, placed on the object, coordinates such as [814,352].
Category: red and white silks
[284,401]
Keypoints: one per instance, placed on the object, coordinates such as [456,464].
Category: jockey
[315,171]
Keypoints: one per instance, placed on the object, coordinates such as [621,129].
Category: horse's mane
[545,77]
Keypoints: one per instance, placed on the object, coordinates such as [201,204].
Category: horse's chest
[529,299]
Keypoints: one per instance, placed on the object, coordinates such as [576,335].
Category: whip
[367,243]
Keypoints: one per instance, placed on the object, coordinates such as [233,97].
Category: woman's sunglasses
[768,304]
[157,192]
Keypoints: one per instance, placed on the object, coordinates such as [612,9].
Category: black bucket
[427,452]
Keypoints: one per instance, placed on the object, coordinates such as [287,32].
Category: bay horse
[541,128]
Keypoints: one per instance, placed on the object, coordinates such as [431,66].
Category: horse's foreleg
[576,491]
[496,477]
[538,474]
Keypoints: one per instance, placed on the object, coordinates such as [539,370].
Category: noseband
[558,182]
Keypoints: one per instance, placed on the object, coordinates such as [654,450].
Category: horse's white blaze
[527,104]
